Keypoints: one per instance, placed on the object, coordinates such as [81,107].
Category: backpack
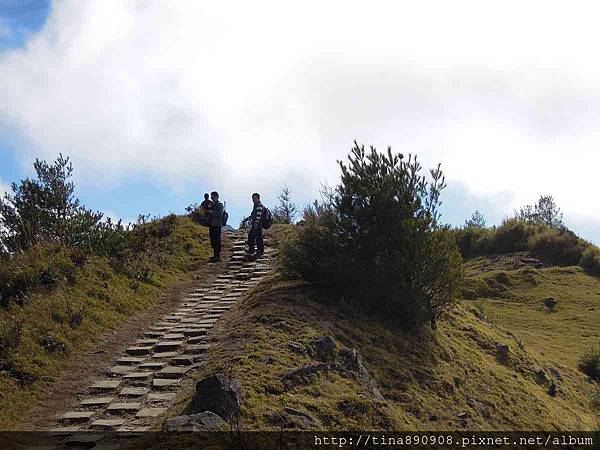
[225,216]
[267,218]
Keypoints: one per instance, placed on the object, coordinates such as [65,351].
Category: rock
[555,373]
[541,378]
[204,421]
[218,395]
[433,417]
[352,362]
[552,390]
[305,419]
[306,371]
[324,348]
[297,348]
[502,353]
[550,303]
[475,404]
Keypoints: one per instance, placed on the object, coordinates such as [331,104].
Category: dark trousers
[255,237]
[215,239]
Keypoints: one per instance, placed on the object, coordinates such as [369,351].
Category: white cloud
[3,188]
[247,93]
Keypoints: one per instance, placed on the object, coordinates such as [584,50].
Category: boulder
[306,371]
[351,362]
[541,378]
[324,348]
[300,419]
[502,351]
[217,394]
[555,373]
[204,421]
[297,348]
[550,303]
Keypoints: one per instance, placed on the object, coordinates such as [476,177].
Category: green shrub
[590,260]
[375,238]
[512,236]
[10,339]
[590,362]
[560,247]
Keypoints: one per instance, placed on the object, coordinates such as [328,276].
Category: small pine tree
[476,221]
[544,212]
[286,211]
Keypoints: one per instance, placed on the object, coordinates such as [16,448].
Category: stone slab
[196,349]
[107,423]
[172,372]
[125,360]
[76,416]
[139,375]
[106,385]
[133,406]
[120,370]
[138,350]
[134,391]
[173,336]
[160,397]
[160,383]
[165,355]
[166,346]
[96,401]
[150,412]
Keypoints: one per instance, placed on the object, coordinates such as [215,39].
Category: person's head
[214,195]
[205,196]
[255,197]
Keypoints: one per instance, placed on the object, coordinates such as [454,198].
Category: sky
[157,102]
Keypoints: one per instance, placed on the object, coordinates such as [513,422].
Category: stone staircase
[144,381]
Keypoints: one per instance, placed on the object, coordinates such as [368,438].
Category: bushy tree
[376,238]
[46,210]
[476,221]
[544,212]
[286,211]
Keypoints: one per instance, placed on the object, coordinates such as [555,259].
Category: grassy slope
[451,372]
[103,296]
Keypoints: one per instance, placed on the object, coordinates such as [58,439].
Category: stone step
[194,332]
[126,360]
[138,375]
[182,361]
[151,412]
[123,407]
[172,372]
[76,416]
[196,340]
[96,401]
[164,355]
[160,397]
[173,336]
[107,424]
[134,391]
[120,370]
[152,365]
[105,385]
[136,351]
[162,383]
[166,346]
[197,348]
[146,342]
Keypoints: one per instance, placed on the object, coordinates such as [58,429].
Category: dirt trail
[128,380]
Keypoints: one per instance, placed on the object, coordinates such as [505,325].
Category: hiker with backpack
[216,220]
[259,218]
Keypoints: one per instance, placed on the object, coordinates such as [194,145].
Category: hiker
[215,222]
[255,236]
[206,204]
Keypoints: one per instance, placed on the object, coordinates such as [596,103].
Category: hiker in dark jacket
[255,236]
[207,203]
[215,222]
